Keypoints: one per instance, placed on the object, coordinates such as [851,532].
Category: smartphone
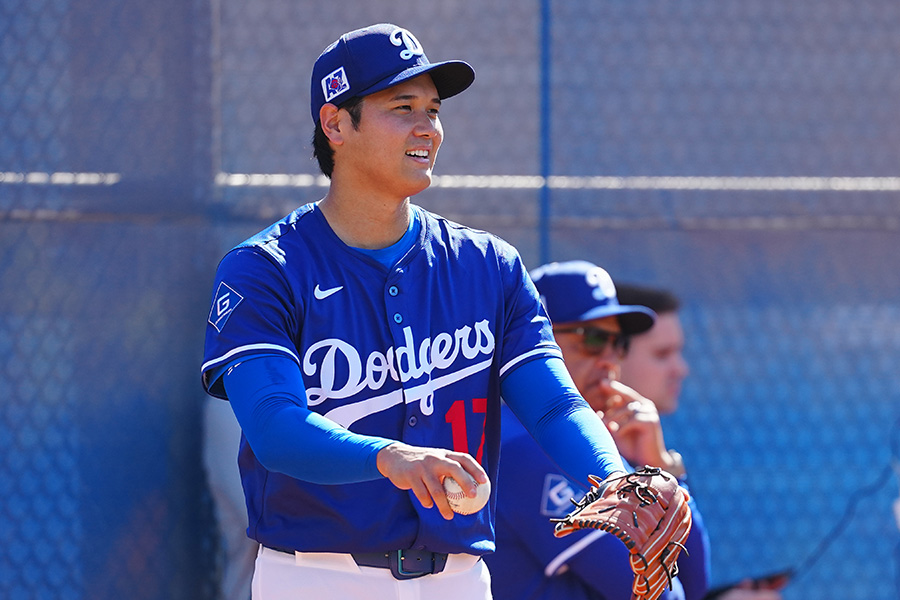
[770,581]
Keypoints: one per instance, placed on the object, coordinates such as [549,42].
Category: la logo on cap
[404,37]
[335,84]
[602,283]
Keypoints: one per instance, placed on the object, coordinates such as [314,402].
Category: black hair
[322,150]
[658,300]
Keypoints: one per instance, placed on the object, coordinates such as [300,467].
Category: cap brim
[632,319]
[450,78]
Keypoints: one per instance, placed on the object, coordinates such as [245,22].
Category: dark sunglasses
[596,340]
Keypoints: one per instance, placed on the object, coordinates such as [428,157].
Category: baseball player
[364,343]
[592,329]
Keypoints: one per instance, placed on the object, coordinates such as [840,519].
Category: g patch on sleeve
[225,302]
[556,499]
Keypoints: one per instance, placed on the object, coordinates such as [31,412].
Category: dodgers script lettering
[404,363]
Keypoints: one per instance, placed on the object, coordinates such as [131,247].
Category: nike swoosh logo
[321,294]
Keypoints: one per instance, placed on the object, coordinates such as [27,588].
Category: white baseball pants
[320,576]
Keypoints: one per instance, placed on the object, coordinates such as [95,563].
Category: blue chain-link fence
[745,155]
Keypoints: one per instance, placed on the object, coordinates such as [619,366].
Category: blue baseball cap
[577,290]
[374,58]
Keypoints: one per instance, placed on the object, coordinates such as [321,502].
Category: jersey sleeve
[546,401]
[269,401]
[253,311]
[528,332]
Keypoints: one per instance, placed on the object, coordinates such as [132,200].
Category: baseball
[462,504]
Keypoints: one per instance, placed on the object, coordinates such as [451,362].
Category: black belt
[403,564]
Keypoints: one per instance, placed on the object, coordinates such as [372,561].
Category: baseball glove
[648,511]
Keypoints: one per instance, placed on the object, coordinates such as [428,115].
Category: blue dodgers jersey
[414,353]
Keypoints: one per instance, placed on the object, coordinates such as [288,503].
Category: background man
[592,328]
[655,367]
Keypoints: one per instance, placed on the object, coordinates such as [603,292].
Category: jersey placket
[406,355]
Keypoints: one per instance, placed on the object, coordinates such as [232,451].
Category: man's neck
[370,223]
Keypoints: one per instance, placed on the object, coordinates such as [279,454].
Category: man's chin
[421,183]
[596,402]
[667,407]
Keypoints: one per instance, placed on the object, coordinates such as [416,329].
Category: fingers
[620,388]
[466,471]
[642,410]
[422,493]
[608,397]
[614,411]
[626,416]
[422,471]
[637,431]
[627,398]
[472,468]
[435,487]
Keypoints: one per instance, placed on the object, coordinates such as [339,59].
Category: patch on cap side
[334,84]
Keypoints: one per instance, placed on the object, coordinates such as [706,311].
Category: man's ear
[330,118]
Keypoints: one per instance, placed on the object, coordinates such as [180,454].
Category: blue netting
[122,121]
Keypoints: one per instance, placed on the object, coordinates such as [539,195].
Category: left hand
[634,424]
[649,512]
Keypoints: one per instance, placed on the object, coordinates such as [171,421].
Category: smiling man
[363,344]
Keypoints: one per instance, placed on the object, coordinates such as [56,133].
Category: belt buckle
[397,570]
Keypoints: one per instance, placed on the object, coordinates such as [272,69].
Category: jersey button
[393,291]
[398,318]
[412,421]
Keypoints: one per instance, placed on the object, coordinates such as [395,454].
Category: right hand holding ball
[462,504]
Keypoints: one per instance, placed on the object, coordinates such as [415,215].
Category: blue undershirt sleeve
[543,396]
[268,398]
